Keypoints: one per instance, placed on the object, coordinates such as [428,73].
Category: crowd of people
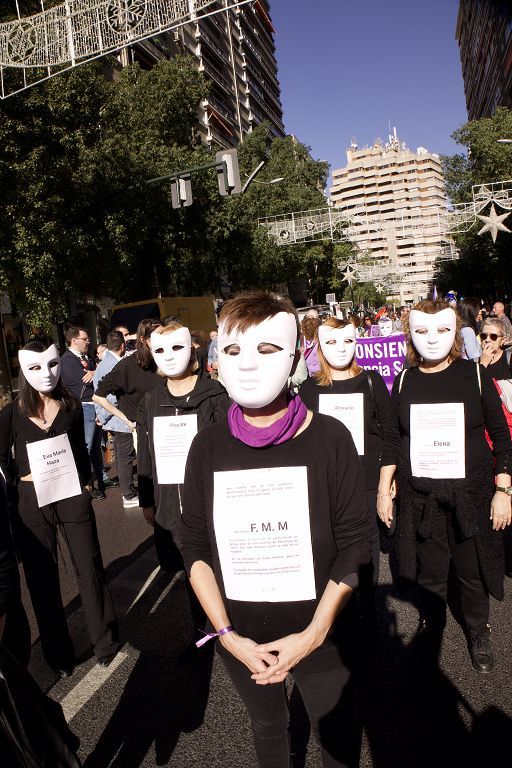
[270,464]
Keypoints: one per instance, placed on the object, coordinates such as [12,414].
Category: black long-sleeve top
[458,384]
[72,372]
[341,526]
[17,430]
[381,438]
[9,575]
[500,369]
[129,383]
[209,400]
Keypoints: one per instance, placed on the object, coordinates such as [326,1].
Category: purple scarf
[279,432]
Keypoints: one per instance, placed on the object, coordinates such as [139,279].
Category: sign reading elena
[172,438]
[438,440]
[53,470]
[263,534]
[384,354]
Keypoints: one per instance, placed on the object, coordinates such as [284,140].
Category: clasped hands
[271,662]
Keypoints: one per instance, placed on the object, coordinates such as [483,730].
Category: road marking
[141,591]
[166,591]
[73,702]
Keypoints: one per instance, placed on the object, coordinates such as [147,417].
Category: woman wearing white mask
[275,533]
[53,479]
[168,417]
[360,400]
[454,498]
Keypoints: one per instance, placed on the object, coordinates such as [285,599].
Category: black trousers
[329,703]
[125,455]
[434,555]
[37,533]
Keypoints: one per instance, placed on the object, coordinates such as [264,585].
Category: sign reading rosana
[385,355]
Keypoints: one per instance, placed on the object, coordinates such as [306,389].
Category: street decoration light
[493,223]
[55,40]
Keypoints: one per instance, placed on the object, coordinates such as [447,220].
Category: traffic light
[228,175]
[181,191]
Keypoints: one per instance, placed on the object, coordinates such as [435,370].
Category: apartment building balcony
[205,38]
[211,71]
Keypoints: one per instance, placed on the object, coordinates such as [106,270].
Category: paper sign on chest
[437,448]
[53,470]
[172,438]
[349,409]
[263,534]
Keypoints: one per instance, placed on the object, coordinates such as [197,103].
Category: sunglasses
[491,336]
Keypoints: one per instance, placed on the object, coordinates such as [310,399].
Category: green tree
[484,267]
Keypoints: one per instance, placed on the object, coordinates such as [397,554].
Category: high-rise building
[395,203]
[484,34]
[235,50]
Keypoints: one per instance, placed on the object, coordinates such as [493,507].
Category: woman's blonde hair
[431,307]
[172,326]
[324,375]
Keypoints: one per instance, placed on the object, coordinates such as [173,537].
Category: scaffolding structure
[35,48]
[343,224]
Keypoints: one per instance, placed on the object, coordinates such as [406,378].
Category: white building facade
[400,196]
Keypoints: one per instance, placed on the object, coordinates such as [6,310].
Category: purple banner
[385,355]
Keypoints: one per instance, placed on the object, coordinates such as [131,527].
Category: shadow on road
[167,691]
[414,716]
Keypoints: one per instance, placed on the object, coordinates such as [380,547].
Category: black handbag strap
[374,399]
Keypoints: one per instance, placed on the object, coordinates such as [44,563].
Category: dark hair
[168,319]
[248,309]
[468,310]
[73,332]
[143,356]
[309,327]
[115,340]
[28,400]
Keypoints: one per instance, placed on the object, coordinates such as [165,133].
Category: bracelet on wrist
[212,635]
[380,495]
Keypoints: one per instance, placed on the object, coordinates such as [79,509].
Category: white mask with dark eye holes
[433,335]
[254,365]
[385,326]
[171,351]
[41,369]
[338,345]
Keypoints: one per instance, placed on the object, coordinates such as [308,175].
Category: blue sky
[347,69]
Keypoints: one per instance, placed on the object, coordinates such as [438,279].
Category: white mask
[171,351]
[41,369]
[433,335]
[338,345]
[385,326]
[252,376]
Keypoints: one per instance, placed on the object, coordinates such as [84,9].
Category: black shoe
[105,661]
[97,494]
[64,672]
[111,482]
[482,656]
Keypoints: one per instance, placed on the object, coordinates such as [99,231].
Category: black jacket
[9,576]
[72,372]
[210,401]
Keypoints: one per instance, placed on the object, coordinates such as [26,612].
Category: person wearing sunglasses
[494,358]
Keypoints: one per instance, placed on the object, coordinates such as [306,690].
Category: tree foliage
[484,267]
[78,217]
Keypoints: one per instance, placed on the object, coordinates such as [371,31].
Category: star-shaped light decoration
[349,273]
[493,223]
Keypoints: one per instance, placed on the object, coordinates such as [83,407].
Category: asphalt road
[161,705]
